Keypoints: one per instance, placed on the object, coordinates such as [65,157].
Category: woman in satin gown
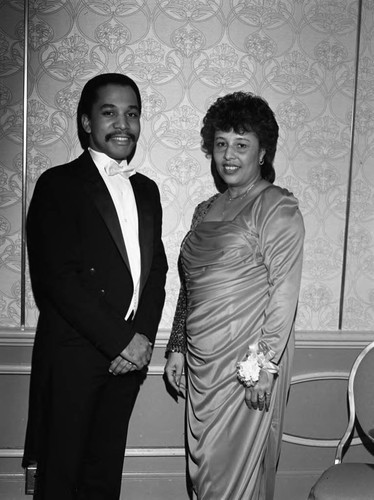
[240,268]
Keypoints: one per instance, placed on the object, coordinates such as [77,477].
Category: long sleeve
[153,295]
[177,341]
[281,234]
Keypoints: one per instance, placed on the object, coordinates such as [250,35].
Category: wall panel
[315,418]
[11,164]
[301,56]
[358,310]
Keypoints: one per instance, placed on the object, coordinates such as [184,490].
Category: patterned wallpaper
[298,54]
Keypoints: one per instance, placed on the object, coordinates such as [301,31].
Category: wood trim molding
[22,369]
[130,452]
[333,339]
[18,369]
[14,337]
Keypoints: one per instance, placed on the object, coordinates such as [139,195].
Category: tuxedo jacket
[80,270]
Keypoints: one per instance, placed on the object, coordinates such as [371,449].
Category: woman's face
[237,157]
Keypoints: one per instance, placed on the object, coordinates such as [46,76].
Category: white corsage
[248,370]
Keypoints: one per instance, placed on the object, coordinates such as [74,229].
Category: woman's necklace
[239,196]
[228,199]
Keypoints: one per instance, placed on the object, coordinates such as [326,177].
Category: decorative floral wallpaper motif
[298,54]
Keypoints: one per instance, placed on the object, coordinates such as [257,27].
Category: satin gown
[242,282]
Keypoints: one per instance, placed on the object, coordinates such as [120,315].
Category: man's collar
[109,165]
[103,159]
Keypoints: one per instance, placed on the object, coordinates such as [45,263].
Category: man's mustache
[129,135]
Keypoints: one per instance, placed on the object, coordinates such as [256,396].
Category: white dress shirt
[123,198]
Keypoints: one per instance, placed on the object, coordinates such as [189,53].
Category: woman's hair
[241,112]
[90,95]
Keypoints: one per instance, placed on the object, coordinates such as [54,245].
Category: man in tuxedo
[98,270]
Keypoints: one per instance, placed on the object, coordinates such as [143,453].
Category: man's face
[114,124]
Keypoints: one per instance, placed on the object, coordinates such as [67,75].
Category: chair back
[364,392]
[353,480]
[360,398]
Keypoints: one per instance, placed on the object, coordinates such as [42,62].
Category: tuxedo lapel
[145,217]
[97,190]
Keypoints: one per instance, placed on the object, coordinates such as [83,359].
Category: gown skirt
[232,450]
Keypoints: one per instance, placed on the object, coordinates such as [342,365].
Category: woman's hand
[174,369]
[258,396]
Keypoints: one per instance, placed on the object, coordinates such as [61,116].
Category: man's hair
[89,96]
